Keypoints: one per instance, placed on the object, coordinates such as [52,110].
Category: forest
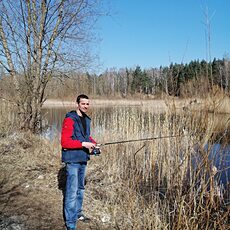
[195,79]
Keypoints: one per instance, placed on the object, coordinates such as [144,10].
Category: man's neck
[80,113]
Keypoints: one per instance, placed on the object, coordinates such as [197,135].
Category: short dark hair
[81,96]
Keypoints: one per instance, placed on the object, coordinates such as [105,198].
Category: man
[77,144]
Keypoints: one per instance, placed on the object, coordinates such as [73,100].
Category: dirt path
[31,185]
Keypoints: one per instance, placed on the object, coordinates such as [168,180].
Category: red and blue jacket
[72,136]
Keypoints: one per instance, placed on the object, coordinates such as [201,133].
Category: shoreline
[220,106]
[53,102]
[158,104]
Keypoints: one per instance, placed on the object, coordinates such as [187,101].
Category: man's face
[83,105]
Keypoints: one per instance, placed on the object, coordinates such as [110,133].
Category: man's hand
[88,145]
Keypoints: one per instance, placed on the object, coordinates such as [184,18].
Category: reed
[160,184]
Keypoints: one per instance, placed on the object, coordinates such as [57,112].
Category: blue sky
[151,33]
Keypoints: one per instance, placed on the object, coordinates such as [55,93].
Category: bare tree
[38,40]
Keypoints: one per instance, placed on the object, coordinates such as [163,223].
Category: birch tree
[40,39]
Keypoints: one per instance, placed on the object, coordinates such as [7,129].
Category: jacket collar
[73,114]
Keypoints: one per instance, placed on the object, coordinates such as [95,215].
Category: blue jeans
[75,179]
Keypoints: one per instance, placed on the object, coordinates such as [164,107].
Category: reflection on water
[221,158]
[102,117]
[52,121]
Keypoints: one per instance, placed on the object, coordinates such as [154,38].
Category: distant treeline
[182,80]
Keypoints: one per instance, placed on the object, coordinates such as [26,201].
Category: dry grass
[28,181]
[151,185]
[142,185]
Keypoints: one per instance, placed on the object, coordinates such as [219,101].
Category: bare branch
[39,38]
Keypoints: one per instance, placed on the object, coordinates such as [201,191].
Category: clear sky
[151,33]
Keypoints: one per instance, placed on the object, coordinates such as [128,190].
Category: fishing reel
[96,151]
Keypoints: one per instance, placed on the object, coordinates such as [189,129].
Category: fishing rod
[136,140]
[97,151]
